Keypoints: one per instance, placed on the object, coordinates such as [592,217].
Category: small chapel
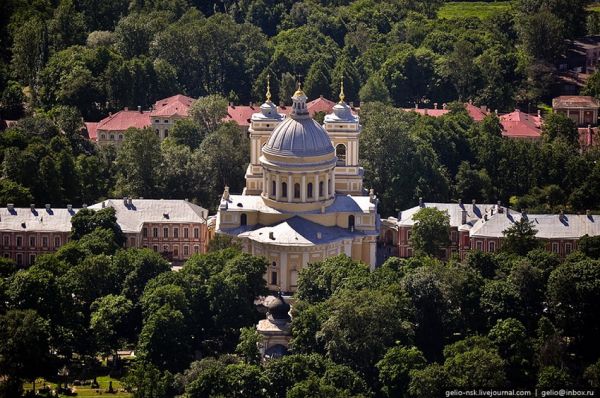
[304,199]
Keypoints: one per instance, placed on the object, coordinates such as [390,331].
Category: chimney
[444,105]
[281,104]
[500,208]
[399,215]
[319,235]
[48,207]
[125,200]
[463,217]
[416,105]
[426,111]
[130,201]
[272,235]
[483,108]
[109,113]
[496,112]
[85,205]
[460,203]
[421,202]
[126,108]
[321,96]
[474,202]
[103,205]
[10,206]
[70,208]
[139,109]
[588,213]
[485,217]
[251,104]
[32,206]
[435,105]
[524,213]
[539,113]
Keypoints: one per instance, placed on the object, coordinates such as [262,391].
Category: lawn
[86,391]
[594,7]
[468,9]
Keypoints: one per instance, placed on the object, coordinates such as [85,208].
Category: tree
[12,192]
[590,246]
[474,363]
[148,381]
[510,336]
[165,340]
[520,238]
[318,80]
[87,220]
[559,126]
[462,70]
[11,101]
[136,267]
[30,52]
[321,280]
[552,377]
[24,349]
[542,34]
[473,184]
[433,380]
[395,369]
[248,346]
[375,90]
[67,27]
[430,231]
[110,322]
[186,132]
[138,164]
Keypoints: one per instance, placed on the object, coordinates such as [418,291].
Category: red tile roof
[476,113]
[241,114]
[519,124]
[125,119]
[92,130]
[428,111]
[575,101]
[177,105]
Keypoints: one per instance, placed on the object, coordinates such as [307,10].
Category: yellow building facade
[304,199]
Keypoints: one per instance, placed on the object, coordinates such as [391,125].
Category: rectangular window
[145,232]
[186,233]
[186,250]
[45,241]
[155,248]
[32,241]
[196,233]
[6,240]
[273,278]
[176,232]
[56,242]
[453,236]
[479,245]
[196,249]
[19,241]
[155,232]
[491,246]
[408,235]
[165,232]
[131,242]
[554,247]
[165,249]
[568,248]
[19,259]
[176,251]
[31,259]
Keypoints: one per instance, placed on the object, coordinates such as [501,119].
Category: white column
[278,188]
[333,183]
[303,188]
[326,183]
[283,270]
[265,187]
[348,248]
[316,188]
[372,255]
[290,188]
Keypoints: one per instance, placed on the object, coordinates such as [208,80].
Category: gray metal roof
[342,203]
[297,231]
[549,226]
[455,211]
[131,218]
[36,220]
[299,137]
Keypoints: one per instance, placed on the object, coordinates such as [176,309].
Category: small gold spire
[299,91]
[342,96]
[268,88]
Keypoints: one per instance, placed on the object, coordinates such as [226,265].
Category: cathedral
[304,199]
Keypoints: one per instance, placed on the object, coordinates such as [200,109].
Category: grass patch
[594,7]
[86,391]
[473,9]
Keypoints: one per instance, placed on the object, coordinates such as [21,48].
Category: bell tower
[262,125]
[344,130]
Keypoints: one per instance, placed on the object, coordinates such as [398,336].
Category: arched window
[243,219]
[284,189]
[351,221]
[309,190]
[296,191]
[273,188]
[340,152]
[320,188]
